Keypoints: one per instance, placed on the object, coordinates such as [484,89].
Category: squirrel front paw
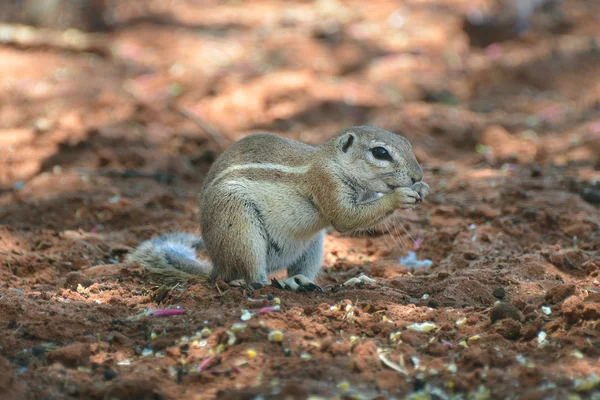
[406,197]
[422,188]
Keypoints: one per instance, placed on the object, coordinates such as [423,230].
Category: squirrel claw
[297,283]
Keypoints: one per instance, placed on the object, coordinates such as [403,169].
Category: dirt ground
[99,152]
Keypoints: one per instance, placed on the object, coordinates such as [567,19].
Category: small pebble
[110,374]
[505,310]
[499,293]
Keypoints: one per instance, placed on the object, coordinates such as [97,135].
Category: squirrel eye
[381,154]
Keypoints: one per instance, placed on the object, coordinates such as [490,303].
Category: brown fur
[267,200]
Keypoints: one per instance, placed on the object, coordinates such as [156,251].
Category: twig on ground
[210,130]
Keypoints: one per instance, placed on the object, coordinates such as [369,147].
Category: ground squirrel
[267,201]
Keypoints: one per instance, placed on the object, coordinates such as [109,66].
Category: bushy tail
[172,255]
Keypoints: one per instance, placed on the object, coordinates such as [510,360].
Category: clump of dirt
[100,152]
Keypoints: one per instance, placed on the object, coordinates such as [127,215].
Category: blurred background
[107,107]
[161,86]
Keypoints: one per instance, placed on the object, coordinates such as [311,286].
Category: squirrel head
[374,159]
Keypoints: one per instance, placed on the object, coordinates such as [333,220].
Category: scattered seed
[464,344]
[418,242]
[204,363]
[246,315]
[251,353]
[416,361]
[541,337]
[452,368]
[461,321]
[424,327]
[394,336]
[425,296]
[482,393]
[147,352]
[232,339]
[275,336]
[238,327]
[474,338]
[586,384]
[343,386]
[390,364]
[269,309]
[577,354]
[546,310]
[124,361]
[204,333]
[276,300]
[305,356]
[163,312]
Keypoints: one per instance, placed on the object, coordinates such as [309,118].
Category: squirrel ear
[346,142]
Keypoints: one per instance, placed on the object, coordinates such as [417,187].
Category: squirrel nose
[415,180]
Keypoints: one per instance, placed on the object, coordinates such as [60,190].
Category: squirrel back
[172,255]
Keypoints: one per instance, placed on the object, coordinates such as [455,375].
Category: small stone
[531,330]
[504,311]
[38,351]
[591,195]
[591,311]
[499,293]
[71,356]
[110,374]
[572,309]
[559,293]
[359,365]
[339,349]
[509,329]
